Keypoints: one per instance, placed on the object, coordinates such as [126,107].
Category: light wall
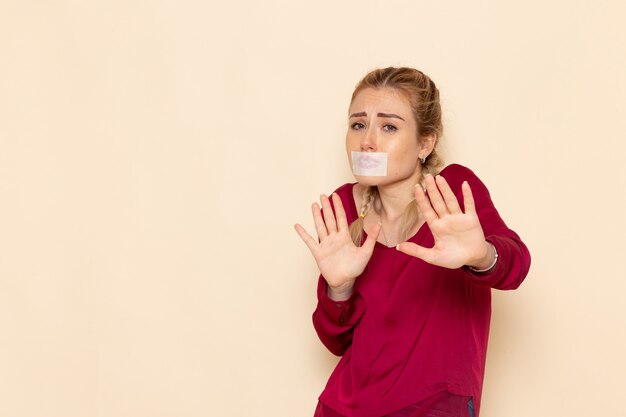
[155,155]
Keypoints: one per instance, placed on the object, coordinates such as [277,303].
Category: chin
[370,181]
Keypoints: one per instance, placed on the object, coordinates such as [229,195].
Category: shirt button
[341,320]
[339,305]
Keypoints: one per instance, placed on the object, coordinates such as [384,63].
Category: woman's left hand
[459,237]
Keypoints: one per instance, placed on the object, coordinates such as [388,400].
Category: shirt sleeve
[513,255]
[334,321]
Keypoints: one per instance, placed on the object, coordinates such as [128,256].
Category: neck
[394,198]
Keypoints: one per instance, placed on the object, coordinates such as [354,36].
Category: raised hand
[339,260]
[459,237]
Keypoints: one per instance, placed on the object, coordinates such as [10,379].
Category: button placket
[340,307]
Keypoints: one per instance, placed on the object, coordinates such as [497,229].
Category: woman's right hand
[339,260]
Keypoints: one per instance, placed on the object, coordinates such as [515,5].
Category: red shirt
[412,330]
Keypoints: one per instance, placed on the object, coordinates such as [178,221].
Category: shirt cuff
[341,312]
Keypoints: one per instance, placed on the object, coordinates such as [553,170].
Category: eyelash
[386,127]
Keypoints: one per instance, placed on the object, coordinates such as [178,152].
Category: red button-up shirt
[412,330]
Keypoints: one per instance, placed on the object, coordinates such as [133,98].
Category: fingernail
[398,246]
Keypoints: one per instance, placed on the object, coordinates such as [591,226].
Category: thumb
[414,250]
[370,242]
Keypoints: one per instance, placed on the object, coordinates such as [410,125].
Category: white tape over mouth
[369,164]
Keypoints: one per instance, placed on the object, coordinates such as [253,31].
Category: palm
[339,260]
[458,235]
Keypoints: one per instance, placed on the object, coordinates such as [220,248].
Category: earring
[423,160]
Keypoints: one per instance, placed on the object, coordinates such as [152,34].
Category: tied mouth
[368,161]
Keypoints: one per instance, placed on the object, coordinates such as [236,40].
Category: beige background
[154,156]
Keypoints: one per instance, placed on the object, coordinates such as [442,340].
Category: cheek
[351,142]
[351,145]
[402,161]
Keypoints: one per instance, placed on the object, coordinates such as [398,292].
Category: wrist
[341,292]
[487,262]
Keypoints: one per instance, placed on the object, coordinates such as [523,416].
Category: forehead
[386,100]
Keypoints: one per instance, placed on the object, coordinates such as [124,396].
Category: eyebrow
[395,116]
[390,115]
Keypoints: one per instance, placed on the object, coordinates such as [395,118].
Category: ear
[427,144]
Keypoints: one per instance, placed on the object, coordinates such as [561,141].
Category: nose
[368,141]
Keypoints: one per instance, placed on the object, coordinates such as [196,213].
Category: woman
[408,256]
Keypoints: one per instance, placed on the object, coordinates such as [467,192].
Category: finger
[416,251]
[329,216]
[468,198]
[448,196]
[342,221]
[320,227]
[424,205]
[435,196]
[306,238]
[370,242]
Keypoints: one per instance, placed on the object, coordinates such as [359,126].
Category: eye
[357,126]
[389,128]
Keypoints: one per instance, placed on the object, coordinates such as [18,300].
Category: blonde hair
[423,95]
